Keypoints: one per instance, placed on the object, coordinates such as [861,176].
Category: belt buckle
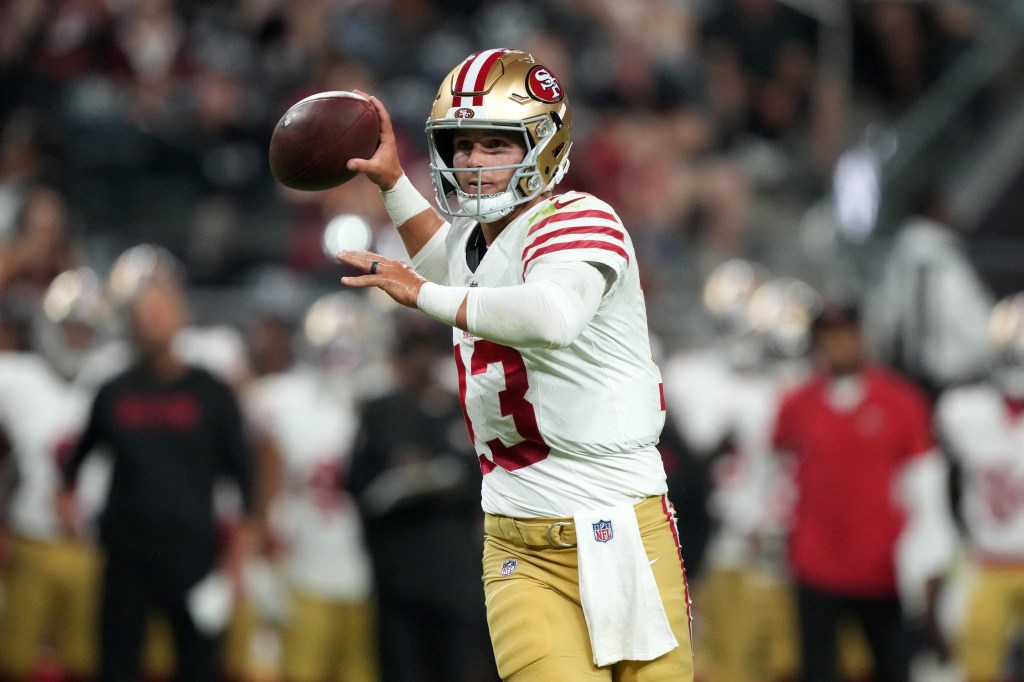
[550,534]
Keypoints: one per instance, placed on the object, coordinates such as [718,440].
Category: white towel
[210,602]
[623,608]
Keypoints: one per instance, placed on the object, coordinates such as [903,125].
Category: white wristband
[403,201]
[441,302]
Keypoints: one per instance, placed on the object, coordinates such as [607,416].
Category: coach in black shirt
[172,431]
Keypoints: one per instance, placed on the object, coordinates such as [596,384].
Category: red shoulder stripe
[573,215]
[582,229]
[581,244]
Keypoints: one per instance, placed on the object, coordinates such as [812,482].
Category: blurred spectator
[862,536]
[928,313]
[761,58]
[306,418]
[150,57]
[171,430]
[905,46]
[414,476]
[24,152]
[50,580]
[982,429]
[42,246]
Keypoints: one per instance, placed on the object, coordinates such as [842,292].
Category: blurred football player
[352,337]
[305,416]
[982,428]
[582,570]
[723,400]
[49,578]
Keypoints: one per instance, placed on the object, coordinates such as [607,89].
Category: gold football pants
[534,615]
[50,595]
[995,608]
[327,640]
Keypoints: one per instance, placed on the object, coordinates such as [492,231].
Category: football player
[723,400]
[562,398]
[50,579]
[982,427]
[306,417]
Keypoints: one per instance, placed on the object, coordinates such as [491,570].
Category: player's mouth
[482,188]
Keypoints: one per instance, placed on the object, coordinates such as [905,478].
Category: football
[317,136]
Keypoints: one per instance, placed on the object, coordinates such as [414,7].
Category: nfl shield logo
[509,567]
[602,531]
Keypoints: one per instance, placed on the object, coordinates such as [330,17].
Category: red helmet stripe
[460,80]
[473,76]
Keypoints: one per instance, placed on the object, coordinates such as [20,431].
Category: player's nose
[477,156]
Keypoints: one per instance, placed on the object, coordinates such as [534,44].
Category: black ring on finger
[373,267]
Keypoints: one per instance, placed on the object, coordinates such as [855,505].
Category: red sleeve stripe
[573,215]
[582,229]
[577,245]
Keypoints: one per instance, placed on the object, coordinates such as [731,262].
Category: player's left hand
[67,513]
[236,553]
[396,278]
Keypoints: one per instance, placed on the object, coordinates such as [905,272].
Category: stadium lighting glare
[346,232]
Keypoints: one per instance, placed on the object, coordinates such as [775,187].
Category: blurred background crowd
[767,156]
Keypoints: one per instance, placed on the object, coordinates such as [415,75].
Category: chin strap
[489,207]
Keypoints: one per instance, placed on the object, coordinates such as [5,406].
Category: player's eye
[496,143]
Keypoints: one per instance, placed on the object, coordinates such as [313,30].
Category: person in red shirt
[852,430]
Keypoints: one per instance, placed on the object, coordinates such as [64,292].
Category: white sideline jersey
[314,426]
[562,430]
[711,404]
[987,440]
[42,415]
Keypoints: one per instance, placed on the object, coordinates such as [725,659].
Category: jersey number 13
[512,402]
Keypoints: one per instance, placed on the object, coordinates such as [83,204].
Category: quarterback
[583,576]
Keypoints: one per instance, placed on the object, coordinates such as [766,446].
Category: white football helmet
[139,264]
[505,90]
[71,320]
[727,294]
[781,311]
[351,336]
[1006,328]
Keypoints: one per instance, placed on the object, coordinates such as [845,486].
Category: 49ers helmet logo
[465,112]
[542,85]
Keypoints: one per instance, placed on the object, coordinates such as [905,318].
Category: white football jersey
[712,405]
[42,415]
[314,426]
[562,430]
[988,442]
[218,348]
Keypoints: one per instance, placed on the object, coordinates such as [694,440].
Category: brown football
[318,135]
